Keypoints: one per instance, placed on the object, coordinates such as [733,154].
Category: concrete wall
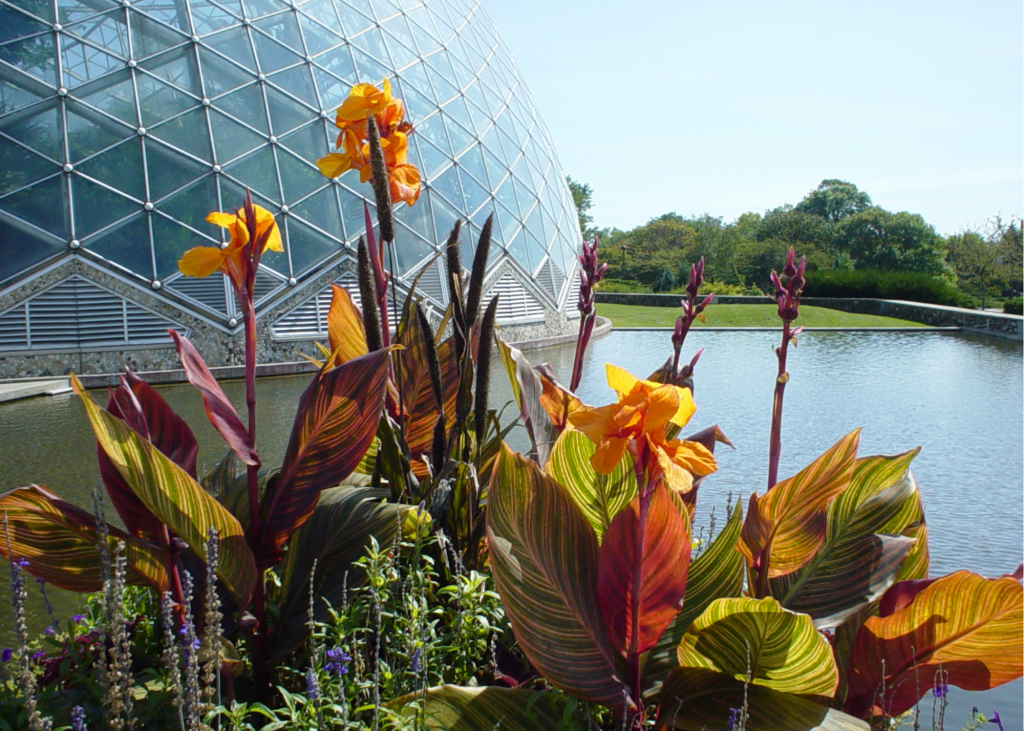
[989,323]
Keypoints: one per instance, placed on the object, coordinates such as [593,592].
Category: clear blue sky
[726,107]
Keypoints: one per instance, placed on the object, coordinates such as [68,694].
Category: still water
[959,397]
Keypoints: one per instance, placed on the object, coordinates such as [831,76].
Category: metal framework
[122,123]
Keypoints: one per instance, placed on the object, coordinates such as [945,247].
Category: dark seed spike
[459,329]
[476,278]
[381,187]
[439,446]
[483,371]
[368,298]
[453,259]
[432,362]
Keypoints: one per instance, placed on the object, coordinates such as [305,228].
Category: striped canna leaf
[544,559]
[969,626]
[454,708]
[334,425]
[757,638]
[346,334]
[863,548]
[664,560]
[173,496]
[697,699]
[716,574]
[60,541]
[599,497]
[528,389]
[787,525]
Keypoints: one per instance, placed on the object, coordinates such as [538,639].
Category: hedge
[864,283]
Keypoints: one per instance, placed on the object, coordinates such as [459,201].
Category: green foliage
[1014,306]
[892,242]
[582,197]
[834,200]
[864,283]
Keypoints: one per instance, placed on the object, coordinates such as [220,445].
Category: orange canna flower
[643,411]
[202,261]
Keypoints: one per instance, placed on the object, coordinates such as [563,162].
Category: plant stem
[775,443]
[633,654]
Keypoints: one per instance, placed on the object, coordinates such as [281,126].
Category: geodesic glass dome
[123,123]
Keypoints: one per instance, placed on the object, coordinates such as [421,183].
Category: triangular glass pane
[550,230]
[508,222]
[159,101]
[318,38]
[445,216]
[285,113]
[496,171]
[433,159]
[18,25]
[298,83]
[36,56]
[150,37]
[114,95]
[126,245]
[372,42]
[518,250]
[463,73]
[352,21]
[369,68]
[460,138]
[527,200]
[398,27]
[352,212]
[417,218]
[458,111]
[177,66]
[363,6]
[298,177]
[447,184]
[322,11]
[191,205]
[444,25]
[443,80]
[414,78]
[384,8]
[417,106]
[410,249]
[432,129]
[88,132]
[230,139]
[535,248]
[96,207]
[506,194]
[308,143]
[26,249]
[168,171]
[535,228]
[492,144]
[259,8]
[257,171]
[245,105]
[523,172]
[14,96]
[39,128]
[321,210]
[72,11]
[221,76]
[478,106]
[495,103]
[170,241]
[333,91]
[480,217]
[475,194]
[188,133]
[120,168]
[307,247]
[273,55]
[108,31]
[401,54]
[41,204]
[172,14]
[209,17]
[423,30]
[233,43]
[473,162]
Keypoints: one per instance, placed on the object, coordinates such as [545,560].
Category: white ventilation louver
[515,304]
[572,312]
[210,291]
[308,321]
[431,283]
[79,315]
[551,279]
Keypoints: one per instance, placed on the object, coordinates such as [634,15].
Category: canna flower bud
[789,286]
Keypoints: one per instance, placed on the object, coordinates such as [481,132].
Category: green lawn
[743,316]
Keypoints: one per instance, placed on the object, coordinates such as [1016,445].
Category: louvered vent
[571,310]
[515,303]
[551,279]
[308,321]
[211,291]
[432,285]
[266,284]
[78,315]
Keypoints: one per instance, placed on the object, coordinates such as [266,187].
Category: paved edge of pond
[921,329]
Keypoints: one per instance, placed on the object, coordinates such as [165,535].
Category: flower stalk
[590,275]
[692,310]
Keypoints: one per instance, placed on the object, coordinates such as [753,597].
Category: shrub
[1014,306]
[913,286]
[622,285]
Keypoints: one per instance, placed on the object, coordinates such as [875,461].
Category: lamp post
[623,247]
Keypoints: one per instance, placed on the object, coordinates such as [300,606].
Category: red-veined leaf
[60,543]
[174,497]
[219,409]
[966,624]
[346,333]
[544,559]
[556,399]
[528,389]
[664,548]
[453,708]
[420,400]
[334,425]
[787,525]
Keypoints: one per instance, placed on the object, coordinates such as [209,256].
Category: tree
[796,227]
[582,196]
[834,200]
[978,260]
[895,242]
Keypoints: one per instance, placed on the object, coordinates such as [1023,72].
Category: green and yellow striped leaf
[859,558]
[716,574]
[779,649]
[787,525]
[697,699]
[346,333]
[599,497]
[544,560]
[528,390]
[455,708]
[966,624]
[173,496]
[60,543]
[335,536]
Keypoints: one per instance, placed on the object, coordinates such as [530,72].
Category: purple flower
[337,661]
[312,689]
[77,719]
[995,720]
[735,714]
[5,656]
[39,655]
[414,662]
[77,619]
[23,563]
[941,690]
[50,630]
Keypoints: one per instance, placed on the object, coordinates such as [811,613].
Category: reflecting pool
[959,397]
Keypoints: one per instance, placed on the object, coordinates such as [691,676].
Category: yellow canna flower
[202,261]
[643,410]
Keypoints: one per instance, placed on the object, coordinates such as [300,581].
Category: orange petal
[608,454]
[686,407]
[405,183]
[620,380]
[333,164]
[674,476]
[202,261]
[662,406]
[265,220]
[595,423]
[224,220]
[691,456]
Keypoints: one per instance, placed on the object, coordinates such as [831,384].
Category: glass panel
[321,11]
[416,76]
[417,217]
[119,167]
[333,90]
[527,200]
[518,251]
[496,171]
[188,133]
[24,249]
[318,38]
[168,171]
[447,184]
[508,222]
[352,210]
[18,25]
[307,247]
[463,74]
[235,44]
[298,177]
[113,95]
[232,139]
[308,143]
[43,204]
[259,8]
[176,67]
[158,101]
[257,171]
[444,218]
[209,17]
[433,159]
[506,194]
[475,194]
[39,128]
[535,228]
[433,129]
[127,245]
[89,133]
[423,30]
[473,162]
[220,76]
[81,63]
[352,21]
[70,11]
[273,55]
[369,68]
[285,113]
[108,31]
[245,105]
[191,205]
[232,195]
[149,37]
[174,14]
[372,42]
[401,54]
[321,210]
[410,249]
[170,241]
[458,111]
[96,207]
[441,76]
[417,106]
